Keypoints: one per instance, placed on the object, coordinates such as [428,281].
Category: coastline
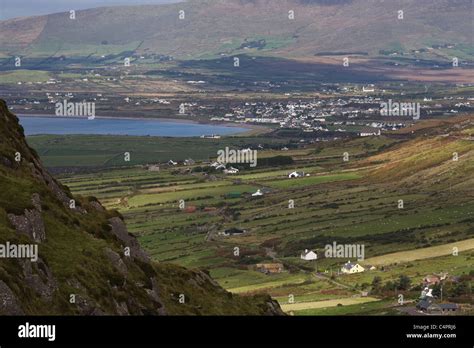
[251,130]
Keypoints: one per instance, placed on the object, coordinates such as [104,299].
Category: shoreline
[251,130]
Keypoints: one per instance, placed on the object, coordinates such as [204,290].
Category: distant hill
[226,27]
[83,266]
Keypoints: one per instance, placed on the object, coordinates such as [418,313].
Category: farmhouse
[234,231]
[426,293]
[351,268]
[231,170]
[429,306]
[189,162]
[259,193]
[449,307]
[270,268]
[295,175]
[172,163]
[309,255]
[218,166]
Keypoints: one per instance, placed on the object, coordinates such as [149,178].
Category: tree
[390,286]
[404,282]
[436,290]
[376,283]
[463,288]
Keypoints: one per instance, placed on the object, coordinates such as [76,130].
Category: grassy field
[327,304]
[107,151]
[313,180]
[365,308]
[415,270]
[13,77]
[353,202]
[419,254]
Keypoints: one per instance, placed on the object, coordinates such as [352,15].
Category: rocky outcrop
[119,230]
[38,277]
[30,223]
[88,262]
[9,305]
[116,261]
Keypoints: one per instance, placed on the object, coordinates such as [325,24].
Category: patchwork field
[419,254]
[355,202]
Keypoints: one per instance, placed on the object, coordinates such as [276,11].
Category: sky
[21,8]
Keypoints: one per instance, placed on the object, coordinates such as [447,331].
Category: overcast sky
[20,8]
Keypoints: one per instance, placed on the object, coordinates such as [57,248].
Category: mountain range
[284,28]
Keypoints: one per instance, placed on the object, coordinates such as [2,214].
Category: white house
[370,132]
[351,268]
[295,175]
[258,194]
[309,255]
[231,170]
[218,166]
[172,163]
[426,293]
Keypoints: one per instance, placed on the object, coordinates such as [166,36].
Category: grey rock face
[116,261]
[120,231]
[8,302]
[38,276]
[30,223]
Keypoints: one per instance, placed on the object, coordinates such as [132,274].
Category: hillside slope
[213,27]
[88,264]
[439,158]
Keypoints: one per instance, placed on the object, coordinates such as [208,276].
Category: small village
[358,112]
